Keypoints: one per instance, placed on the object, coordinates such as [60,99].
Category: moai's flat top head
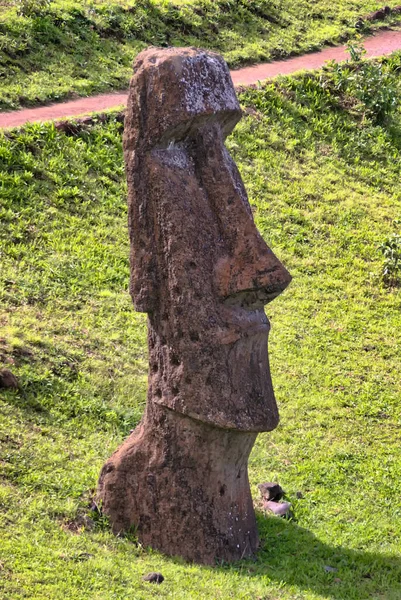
[199,266]
[175,90]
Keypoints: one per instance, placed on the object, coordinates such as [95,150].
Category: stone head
[199,266]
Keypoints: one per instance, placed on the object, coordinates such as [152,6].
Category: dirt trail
[384,42]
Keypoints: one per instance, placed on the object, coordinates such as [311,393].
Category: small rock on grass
[280,509]
[271,491]
[8,379]
[329,569]
[153,578]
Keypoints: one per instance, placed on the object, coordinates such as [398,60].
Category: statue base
[183,486]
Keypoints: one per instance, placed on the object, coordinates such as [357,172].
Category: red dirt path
[384,42]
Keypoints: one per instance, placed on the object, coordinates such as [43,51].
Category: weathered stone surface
[8,379]
[153,578]
[380,14]
[203,273]
[271,491]
[281,509]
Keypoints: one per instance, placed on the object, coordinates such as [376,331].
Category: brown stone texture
[203,273]
[380,14]
[8,379]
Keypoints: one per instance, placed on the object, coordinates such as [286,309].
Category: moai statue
[202,273]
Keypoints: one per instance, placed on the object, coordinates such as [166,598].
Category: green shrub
[31,8]
[391,251]
[367,84]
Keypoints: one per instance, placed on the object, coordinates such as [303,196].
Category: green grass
[72,48]
[322,168]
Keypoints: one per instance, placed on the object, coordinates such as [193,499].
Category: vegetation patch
[391,250]
[323,172]
[53,50]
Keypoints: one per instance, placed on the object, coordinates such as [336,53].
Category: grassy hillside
[320,155]
[52,50]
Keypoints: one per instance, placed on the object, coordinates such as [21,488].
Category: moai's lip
[254,299]
[242,323]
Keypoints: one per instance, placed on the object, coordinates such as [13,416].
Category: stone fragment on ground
[8,379]
[271,491]
[153,578]
[380,14]
[271,494]
[281,509]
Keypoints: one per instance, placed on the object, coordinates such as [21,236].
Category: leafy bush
[30,8]
[391,250]
[367,84]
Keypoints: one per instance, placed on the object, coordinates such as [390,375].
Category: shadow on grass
[293,555]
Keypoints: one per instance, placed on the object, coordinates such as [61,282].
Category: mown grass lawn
[323,172]
[65,48]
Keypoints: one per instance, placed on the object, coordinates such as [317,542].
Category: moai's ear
[141,224]
[143,260]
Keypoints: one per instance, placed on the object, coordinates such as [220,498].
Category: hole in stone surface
[222,490]
[158,393]
[194,336]
[155,368]
[175,360]
[192,264]
[238,474]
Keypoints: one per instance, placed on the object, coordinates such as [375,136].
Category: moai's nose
[247,272]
